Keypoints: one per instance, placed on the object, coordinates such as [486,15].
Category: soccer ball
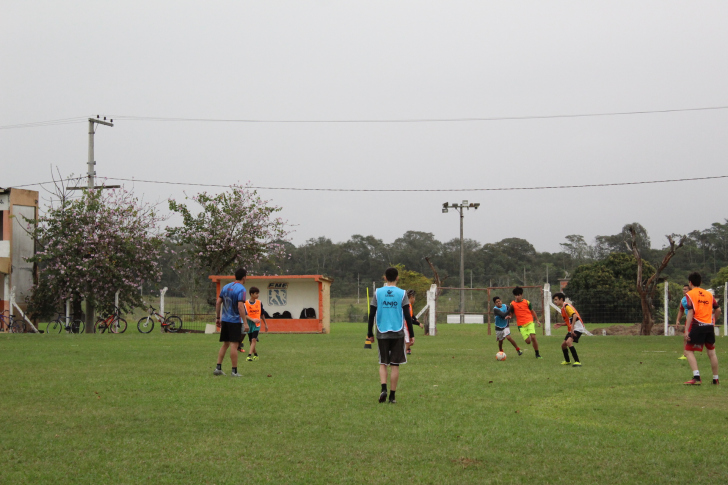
[500,356]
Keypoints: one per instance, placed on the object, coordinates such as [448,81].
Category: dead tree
[646,288]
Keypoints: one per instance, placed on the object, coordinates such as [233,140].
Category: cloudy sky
[391,60]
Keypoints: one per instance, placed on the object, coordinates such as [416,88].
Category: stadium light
[459,208]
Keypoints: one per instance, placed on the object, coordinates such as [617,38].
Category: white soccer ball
[500,356]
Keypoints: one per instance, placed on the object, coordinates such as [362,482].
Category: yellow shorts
[527,330]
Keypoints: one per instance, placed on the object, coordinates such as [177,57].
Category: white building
[16,244]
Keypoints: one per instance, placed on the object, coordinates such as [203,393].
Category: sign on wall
[4,202]
[277,294]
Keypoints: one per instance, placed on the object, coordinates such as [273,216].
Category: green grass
[138,408]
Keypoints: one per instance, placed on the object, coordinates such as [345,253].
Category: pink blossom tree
[93,246]
[232,229]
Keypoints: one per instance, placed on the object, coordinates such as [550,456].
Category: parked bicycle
[170,323]
[75,325]
[111,324]
[8,323]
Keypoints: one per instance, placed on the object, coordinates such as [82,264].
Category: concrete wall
[22,247]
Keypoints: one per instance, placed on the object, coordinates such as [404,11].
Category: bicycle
[170,323]
[113,323]
[8,323]
[59,324]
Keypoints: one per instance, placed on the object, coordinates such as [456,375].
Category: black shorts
[231,332]
[574,335]
[391,351]
[252,335]
[702,335]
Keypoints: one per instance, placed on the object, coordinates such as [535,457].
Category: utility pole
[90,185]
[459,208]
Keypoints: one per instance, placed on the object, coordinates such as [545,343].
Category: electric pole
[460,208]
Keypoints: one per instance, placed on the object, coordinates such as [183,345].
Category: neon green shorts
[527,330]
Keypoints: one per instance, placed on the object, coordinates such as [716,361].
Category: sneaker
[692,382]
[576,364]
[520,352]
[383,396]
[235,374]
[392,401]
[218,372]
[566,362]
[715,381]
[409,352]
[255,357]
[249,359]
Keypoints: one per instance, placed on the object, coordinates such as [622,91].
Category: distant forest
[511,261]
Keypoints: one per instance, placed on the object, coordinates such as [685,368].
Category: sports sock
[235,370]
[538,354]
[573,352]
[696,373]
[566,355]
[715,378]
[391,395]
[384,388]
[256,354]
[517,349]
[218,367]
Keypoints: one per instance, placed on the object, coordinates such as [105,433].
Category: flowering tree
[91,247]
[233,229]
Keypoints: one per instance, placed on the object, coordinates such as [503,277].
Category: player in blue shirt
[230,315]
[502,331]
[391,307]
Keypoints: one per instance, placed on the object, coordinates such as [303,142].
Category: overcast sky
[333,60]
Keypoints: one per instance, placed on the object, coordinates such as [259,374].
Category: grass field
[138,408]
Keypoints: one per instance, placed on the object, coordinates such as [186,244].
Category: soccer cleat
[249,358]
[240,349]
[715,381]
[392,401]
[566,362]
[409,352]
[682,357]
[539,357]
[383,396]
[255,357]
[520,352]
[218,372]
[235,374]
[692,382]
[576,364]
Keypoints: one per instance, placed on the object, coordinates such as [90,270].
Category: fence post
[431,303]
[68,312]
[547,309]
[666,298]
[116,300]
[161,305]
[725,309]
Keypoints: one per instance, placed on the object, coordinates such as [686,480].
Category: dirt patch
[633,330]
[467,462]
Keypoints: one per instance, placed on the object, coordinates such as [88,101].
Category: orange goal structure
[292,294]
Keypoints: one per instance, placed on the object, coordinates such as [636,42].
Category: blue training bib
[389,309]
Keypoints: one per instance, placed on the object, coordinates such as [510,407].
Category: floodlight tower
[460,207]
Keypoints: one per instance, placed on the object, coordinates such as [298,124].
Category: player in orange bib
[254,309]
[409,333]
[525,316]
[703,311]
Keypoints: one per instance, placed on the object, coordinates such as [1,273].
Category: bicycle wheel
[18,325]
[145,324]
[101,326]
[77,326]
[54,327]
[174,323]
[118,325]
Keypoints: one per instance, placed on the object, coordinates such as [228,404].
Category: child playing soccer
[254,309]
[574,325]
[409,336]
[525,316]
[703,311]
[502,331]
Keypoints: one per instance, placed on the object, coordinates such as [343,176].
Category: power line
[81,119]
[424,120]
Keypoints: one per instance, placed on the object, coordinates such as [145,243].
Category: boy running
[703,310]
[392,306]
[525,316]
[502,331]
[254,310]
[574,326]
[230,314]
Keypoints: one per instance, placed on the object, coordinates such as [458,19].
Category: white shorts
[502,334]
[406,334]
